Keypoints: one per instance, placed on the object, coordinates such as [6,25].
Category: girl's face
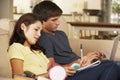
[32,33]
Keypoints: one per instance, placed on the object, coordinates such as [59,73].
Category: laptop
[114,47]
[113,50]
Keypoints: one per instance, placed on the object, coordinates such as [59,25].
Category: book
[77,66]
[94,64]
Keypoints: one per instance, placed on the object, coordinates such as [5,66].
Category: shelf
[93,12]
[100,25]
[88,30]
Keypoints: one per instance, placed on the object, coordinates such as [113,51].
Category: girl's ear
[23,27]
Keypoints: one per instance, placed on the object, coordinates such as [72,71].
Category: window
[115,15]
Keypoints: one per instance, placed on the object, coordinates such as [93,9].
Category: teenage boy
[57,48]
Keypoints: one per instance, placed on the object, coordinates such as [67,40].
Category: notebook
[94,64]
[114,47]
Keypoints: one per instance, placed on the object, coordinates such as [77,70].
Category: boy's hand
[90,57]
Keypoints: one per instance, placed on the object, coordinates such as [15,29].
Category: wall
[24,6]
[6,7]
[69,6]
[74,5]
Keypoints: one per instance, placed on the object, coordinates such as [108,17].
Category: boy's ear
[43,22]
[23,27]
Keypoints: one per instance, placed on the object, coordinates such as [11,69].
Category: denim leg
[111,73]
[107,70]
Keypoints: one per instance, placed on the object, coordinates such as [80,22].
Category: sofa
[7,26]
[5,33]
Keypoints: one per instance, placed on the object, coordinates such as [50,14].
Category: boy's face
[51,24]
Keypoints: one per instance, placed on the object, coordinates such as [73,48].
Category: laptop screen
[114,47]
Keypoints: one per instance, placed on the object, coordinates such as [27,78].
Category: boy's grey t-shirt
[57,46]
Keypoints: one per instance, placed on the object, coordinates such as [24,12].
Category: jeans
[107,70]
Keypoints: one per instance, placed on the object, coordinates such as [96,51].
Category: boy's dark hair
[46,9]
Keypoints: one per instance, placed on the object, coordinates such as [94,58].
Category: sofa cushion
[5,70]
[6,28]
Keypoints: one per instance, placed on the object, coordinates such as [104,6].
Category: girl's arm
[17,66]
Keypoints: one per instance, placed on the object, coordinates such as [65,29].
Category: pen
[81,51]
